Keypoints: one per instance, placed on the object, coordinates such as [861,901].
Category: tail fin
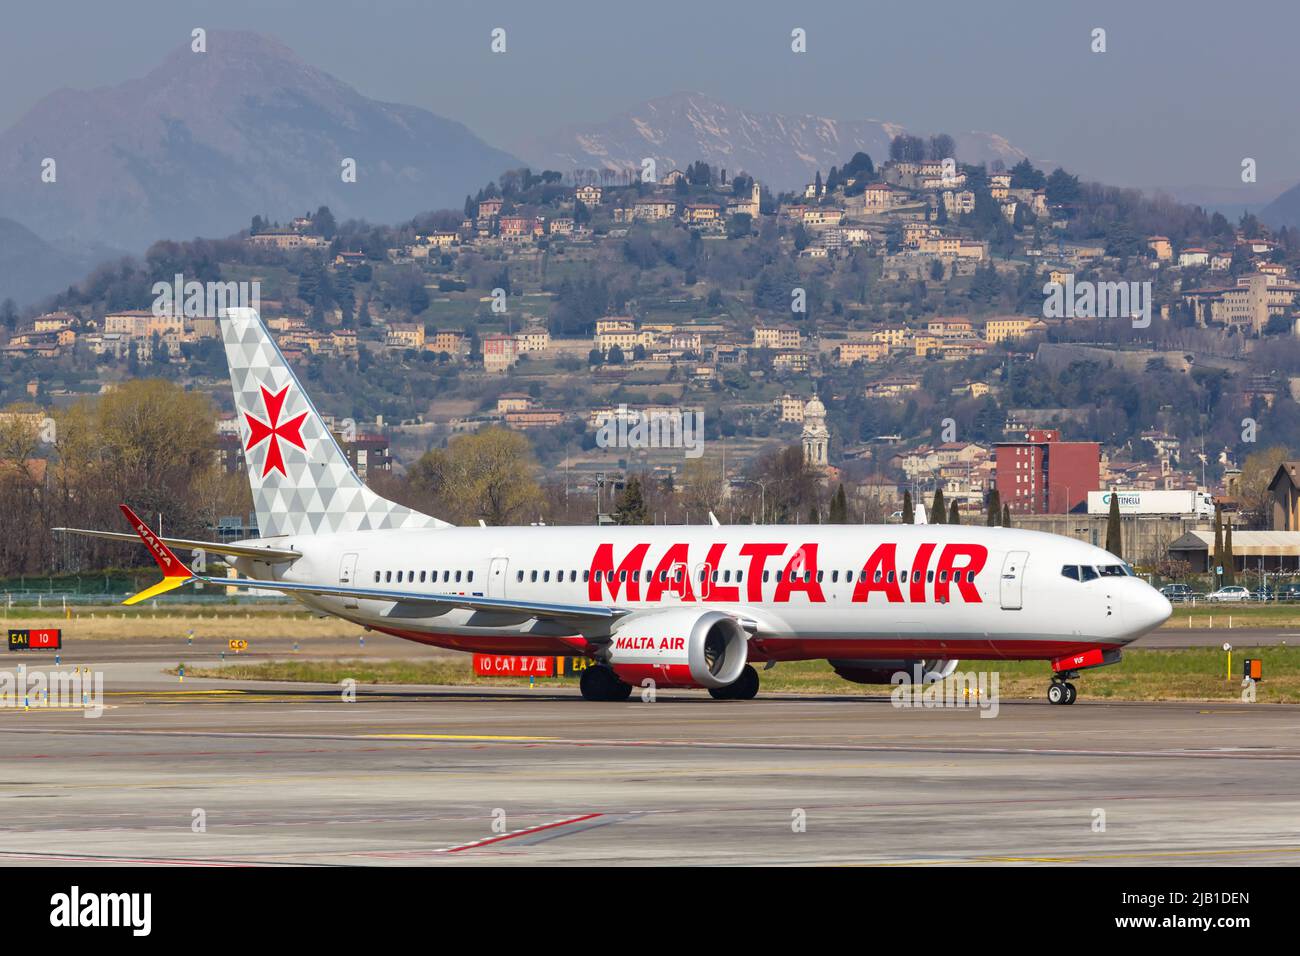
[302,482]
[175,573]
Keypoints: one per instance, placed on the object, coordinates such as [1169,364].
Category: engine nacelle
[882,672]
[680,648]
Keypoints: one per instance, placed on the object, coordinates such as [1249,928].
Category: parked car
[1289,592]
[1178,592]
[1233,592]
[1263,594]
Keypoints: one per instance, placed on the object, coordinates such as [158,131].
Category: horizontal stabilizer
[245,550]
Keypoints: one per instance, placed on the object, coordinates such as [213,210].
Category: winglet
[175,573]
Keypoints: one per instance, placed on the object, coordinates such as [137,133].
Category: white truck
[1190,503]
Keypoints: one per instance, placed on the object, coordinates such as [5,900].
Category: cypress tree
[909,510]
[1114,543]
[938,510]
[994,517]
[953,516]
[1218,538]
[1006,516]
[1229,564]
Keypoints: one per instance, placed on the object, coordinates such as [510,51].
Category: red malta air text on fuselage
[946,572]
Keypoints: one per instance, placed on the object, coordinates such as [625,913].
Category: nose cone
[1147,609]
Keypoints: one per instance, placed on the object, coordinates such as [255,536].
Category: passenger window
[890,577]
[819,577]
[546,576]
[876,577]
[835,577]
[622,576]
[377,577]
[929,577]
[458,577]
[902,577]
[532,577]
[585,576]
[740,576]
[422,574]
[469,576]
[519,576]
[765,577]
[399,577]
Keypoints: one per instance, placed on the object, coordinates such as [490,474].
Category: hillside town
[920,326]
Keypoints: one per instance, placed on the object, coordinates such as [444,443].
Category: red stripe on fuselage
[786,648]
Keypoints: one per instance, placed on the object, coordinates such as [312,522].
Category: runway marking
[1200,754]
[1085,857]
[145,861]
[526,831]
[496,737]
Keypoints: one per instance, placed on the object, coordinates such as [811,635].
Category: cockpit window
[1114,570]
[1087,572]
[1070,571]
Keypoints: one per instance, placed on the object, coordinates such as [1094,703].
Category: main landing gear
[1061,690]
[599,682]
[744,687]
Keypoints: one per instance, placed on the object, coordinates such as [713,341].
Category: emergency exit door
[1013,580]
[348,575]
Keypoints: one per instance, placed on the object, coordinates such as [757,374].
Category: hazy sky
[1184,92]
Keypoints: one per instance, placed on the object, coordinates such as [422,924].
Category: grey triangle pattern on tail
[314,489]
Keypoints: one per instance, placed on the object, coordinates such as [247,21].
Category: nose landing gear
[1061,691]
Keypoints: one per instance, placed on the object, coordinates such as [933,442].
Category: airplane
[693,606]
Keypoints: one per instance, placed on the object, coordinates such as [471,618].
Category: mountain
[31,268]
[1284,210]
[206,140]
[783,150]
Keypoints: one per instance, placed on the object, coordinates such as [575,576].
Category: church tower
[816,437]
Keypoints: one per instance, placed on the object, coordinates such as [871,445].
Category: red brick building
[1044,475]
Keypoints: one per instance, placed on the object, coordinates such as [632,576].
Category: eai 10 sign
[35,639]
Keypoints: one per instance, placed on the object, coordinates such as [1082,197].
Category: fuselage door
[1013,579]
[497,577]
[348,575]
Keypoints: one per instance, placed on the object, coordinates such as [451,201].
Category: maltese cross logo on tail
[259,431]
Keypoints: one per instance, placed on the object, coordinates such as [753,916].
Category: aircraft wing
[255,551]
[539,609]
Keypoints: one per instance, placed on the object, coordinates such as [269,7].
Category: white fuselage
[803,591]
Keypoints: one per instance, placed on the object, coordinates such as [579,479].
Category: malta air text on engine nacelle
[938,573]
[680,648]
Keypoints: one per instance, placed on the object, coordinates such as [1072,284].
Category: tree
[839,510]
[486,475]
[1114,540]
[1006,516]
[1257,472]
[1062,187]
[909,510]
[1229,562]
[938,510]
[631,507]
[1217,559]
[994,516]
[953,516]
